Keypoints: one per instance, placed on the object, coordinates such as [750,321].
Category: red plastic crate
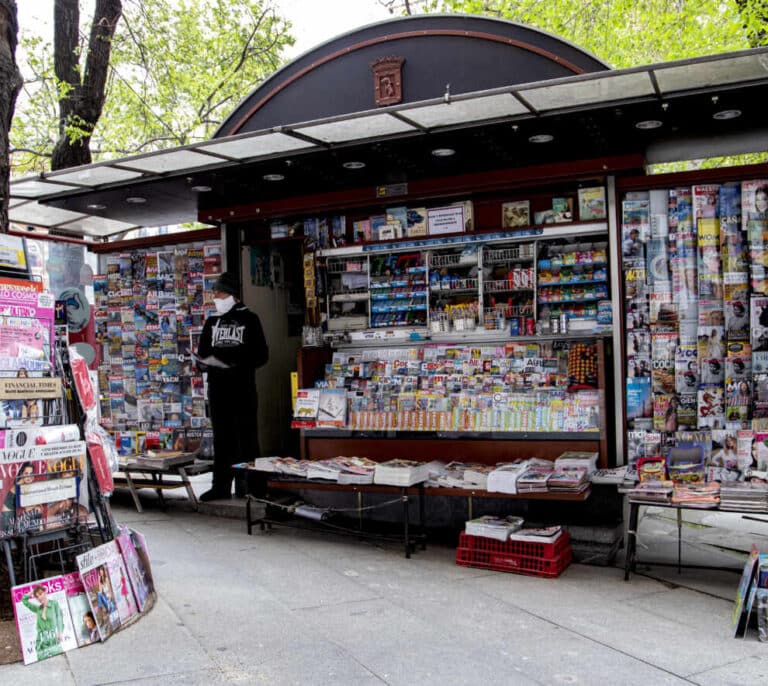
[514,556]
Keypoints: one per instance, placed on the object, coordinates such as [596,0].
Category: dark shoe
[213,494]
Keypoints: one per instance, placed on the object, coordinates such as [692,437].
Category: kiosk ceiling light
[96,206]
[353,165]
[273,177]
[541,138]
[201,189]
[135,200]
[648,124]
[726,114]
[443,152]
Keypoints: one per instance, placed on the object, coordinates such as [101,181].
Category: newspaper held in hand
[210,361]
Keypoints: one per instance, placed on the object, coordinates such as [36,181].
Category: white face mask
[224,305]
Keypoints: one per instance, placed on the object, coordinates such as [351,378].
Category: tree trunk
[10,85]
[80,107]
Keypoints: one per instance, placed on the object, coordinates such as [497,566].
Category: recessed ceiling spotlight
[648,124]
[273,177]
[726,114]
[353,165]
[201,189]
[96,206]
[541,138]
[136,200]
[443,152]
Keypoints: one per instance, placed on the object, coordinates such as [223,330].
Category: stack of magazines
[578,458]
[401,473]
[705,495]
[290,466]
[651,492]
[534,479]
[573,480]
[328,470]
[493,527]
[451,475]
[545,534]
[744,495]
[356,470]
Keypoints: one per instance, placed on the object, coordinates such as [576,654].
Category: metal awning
[653,108]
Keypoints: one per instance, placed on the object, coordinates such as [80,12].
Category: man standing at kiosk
[231,348]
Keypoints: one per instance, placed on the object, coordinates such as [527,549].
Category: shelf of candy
[461,317]
[516,387]
[398,290]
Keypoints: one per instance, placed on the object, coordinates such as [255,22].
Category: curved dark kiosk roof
[462,53]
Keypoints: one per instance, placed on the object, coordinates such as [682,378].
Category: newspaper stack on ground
[504,478]
[493,527]
[401,473]
[746,496]
[578,458]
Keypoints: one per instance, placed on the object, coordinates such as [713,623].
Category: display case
[398,290]
[348,294]
[542,393]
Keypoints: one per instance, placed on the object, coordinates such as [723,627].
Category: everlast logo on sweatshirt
[227,335]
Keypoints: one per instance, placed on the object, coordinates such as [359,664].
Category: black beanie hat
[227,283]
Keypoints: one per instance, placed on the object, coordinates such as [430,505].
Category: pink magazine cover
[83,620]
[134,567]
[118,575]
[43,620]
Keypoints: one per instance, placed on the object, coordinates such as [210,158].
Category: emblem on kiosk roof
[388,80]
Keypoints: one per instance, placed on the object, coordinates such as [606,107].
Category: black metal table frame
[179,473]
[630,560]
[409,540]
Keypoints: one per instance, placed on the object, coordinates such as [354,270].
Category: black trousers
[233,405]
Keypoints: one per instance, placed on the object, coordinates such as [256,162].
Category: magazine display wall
[696,303]
[150,305]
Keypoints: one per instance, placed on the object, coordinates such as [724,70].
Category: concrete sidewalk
[293,607]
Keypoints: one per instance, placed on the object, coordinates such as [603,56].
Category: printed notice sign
[443,220]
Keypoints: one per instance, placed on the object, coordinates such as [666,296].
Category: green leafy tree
[176,69]
[626,33]
[10,85]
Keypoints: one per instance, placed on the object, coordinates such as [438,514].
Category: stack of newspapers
[401,473]
[493,527]
[746,496]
